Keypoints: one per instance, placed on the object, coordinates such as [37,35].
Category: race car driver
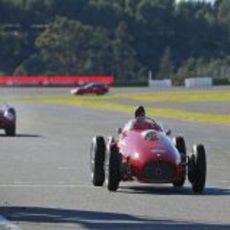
[141,122]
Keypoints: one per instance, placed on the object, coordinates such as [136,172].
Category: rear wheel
[181,147]
[198,169]
[100,92]
[113,169]
[79,93]
[11,130]
[97,159]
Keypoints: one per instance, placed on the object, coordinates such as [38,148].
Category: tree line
[123,38]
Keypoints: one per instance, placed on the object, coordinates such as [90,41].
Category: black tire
[12,111]
[192,168]
[80,93]
[200,169]
[11,130]
[113,170]
[100,93]
[97,160]
[181,147]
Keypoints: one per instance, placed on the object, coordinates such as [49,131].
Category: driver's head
[140,111]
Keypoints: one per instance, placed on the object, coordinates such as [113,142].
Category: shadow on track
[97,219]
[209,191]
[29,135]
[22,135]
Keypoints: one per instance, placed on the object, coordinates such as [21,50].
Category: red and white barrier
[51,81]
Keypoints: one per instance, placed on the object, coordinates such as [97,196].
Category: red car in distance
[8,119]
[147,154]
[91,88]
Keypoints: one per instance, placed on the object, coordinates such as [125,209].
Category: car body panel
[150,154]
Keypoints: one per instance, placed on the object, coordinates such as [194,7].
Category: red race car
[91,88]
[8,119]
[146,153]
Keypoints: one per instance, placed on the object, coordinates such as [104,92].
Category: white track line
[6,225]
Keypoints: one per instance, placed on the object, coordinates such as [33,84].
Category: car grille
[159,171]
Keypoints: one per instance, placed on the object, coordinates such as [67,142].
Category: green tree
[31,66]
[13,50]
[154,30]
[69,47]
[190,28]
[186,70]
[105,14]
[224,13]
[166,65]
[124,55]
[131,7]
[69,8]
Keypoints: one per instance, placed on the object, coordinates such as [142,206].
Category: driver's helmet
[139,112]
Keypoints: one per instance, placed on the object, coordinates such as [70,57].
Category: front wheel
[113,169]
[97,159]
[198,169]
[181,147]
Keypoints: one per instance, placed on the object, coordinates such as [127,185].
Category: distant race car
[147,154]
[8,119]
[91,88]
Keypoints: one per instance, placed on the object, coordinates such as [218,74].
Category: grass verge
[106,103]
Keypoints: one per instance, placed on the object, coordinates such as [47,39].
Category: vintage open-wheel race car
[148,154]
[8,119]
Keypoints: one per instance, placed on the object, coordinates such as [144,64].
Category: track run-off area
[45,179]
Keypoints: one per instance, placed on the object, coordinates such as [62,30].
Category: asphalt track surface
[45,182]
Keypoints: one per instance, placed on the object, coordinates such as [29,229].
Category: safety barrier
[160,83]
[51,81]
[198,82]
